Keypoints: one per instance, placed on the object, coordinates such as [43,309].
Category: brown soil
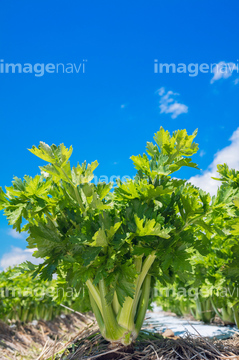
[74,338]
[153,347]
[27,341]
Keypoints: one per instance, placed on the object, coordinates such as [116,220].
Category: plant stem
[127,315]
[143,305]
[98,315]
[95,294]
[236,314]
[116,305]
[113,332]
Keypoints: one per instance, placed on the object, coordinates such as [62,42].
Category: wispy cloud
[223,70]
[16,235]
[228,155]
[169,105]
[17,256]
[202,153]
[236,81]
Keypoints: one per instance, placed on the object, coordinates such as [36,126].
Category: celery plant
[214,280]
[113,242]
[25,299]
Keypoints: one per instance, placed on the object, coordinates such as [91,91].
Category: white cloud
[161,91]
[228,155]
[17,256]
[16,235]
[202,153]
[223,70]
[169,105]
[236,81]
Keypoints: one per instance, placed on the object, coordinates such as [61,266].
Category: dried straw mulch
[75,338]
[27,341]
[91,346]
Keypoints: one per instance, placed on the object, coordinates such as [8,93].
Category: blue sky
[110,111]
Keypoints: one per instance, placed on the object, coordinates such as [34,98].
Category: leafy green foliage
[75,224]
[110,241]
[214,258]
[25,299]
[172,154]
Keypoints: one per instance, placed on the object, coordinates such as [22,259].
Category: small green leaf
[99,238]
[90,254]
